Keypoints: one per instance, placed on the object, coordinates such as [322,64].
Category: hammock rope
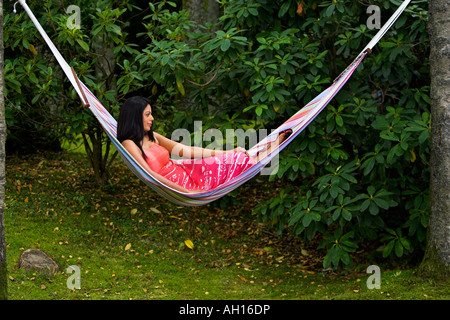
[297,123]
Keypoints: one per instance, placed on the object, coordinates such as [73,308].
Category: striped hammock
[297,123]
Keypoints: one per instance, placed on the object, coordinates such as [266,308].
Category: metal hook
[14,10]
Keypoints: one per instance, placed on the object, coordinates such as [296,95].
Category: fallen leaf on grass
[155,210]
[242,278]
[189,244]
[127,247]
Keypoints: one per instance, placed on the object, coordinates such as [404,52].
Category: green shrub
[359,173]
[360,170]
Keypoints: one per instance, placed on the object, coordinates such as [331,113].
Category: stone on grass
[35,259]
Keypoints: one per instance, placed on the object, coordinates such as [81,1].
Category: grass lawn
[129,243]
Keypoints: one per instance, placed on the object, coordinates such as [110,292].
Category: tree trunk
[3,269]
[436,262]
[100,158]
[202,11]
[93,138]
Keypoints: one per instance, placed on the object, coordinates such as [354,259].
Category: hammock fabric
[297,123]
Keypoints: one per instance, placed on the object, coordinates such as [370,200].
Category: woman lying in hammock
[204,169]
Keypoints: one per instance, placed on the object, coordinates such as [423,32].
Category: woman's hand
[240,149]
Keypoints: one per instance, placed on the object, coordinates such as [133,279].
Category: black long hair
[130,124]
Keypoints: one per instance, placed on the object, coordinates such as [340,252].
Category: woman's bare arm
[184,151]
[135,152]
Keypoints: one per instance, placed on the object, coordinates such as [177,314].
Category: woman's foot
[283,135]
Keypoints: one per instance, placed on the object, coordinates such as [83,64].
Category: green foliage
[339,249]
[357,170]
[41,104]
[361,169]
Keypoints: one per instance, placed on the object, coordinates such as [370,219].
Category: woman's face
[147,118]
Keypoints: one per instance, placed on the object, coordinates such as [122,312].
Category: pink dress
[197,174]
